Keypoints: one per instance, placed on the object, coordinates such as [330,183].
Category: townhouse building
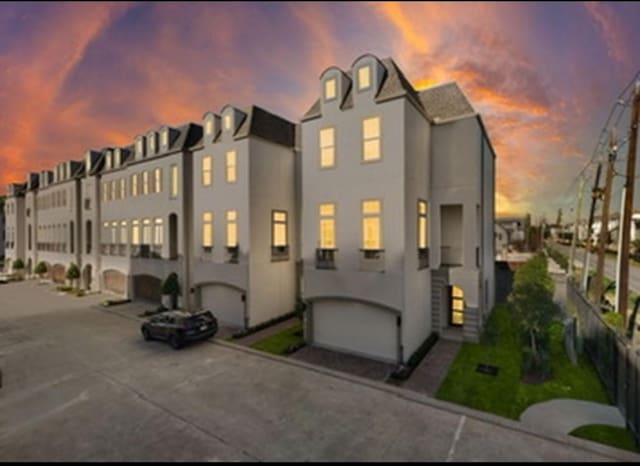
[2,227]
[244,235]
[14,224]
[397,213]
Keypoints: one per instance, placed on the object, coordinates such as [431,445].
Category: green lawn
[278,343]
[505,394]
[618,437]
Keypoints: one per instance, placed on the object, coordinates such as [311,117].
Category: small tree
[73,273]
[18,266]
[171,286]
[40,269]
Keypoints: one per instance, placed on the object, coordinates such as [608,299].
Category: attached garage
[114,281]
[58,273]
[147,287]
[357,328]
[225,302]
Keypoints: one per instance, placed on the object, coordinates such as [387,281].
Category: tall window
[135,232]
[72,239]
[157,232]
[227,122]
[207,230]
[139,146]
[208,127]
[422,225]
[146,231]
[123,232]
[158,179]
[174,180]
[371,225]
[327,147]
[114,232]
[134,184]
[330,89]
[206,171]
[123,188]
[371,139]
[364,77]
[456,316]
[165,137]
[105,191]
[152,143]
[231,166]
[114,190]
[279,229]
[145,182]
[327,226]
[232,228]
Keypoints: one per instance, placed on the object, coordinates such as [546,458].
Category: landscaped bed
[506,394]
[283,342]
[618,437]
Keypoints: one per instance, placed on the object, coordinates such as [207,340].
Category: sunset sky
[543,76]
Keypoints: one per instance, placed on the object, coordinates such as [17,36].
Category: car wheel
[145,334]
[175,342]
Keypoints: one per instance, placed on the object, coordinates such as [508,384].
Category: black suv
[180,327]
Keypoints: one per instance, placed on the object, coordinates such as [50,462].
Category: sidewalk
[433,369]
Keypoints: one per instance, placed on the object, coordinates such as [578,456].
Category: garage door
[147,287]
[225,303]
[114,281]
[58,273]
[356,328]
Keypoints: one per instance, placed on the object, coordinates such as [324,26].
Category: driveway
[80,384]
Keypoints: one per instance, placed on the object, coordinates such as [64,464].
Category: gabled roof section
[446,102]
[188,135]
[266,125]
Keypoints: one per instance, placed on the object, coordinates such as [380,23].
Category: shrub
[40,269]
[18,264]
[171,286]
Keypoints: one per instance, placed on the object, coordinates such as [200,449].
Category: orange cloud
[611,29]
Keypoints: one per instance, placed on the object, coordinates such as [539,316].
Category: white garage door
[357,328]
[225,303]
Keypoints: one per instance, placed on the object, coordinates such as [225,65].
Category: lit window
[327,226]
[139,146]
[207,230]
[208,127]
[279,228]
[232,228]
[227,122]
[157,232]
[231,166]
[158,179]
[114,232]
[422,225]
[371,234]
[364,77]
[123,188]
[174,180]
[330,89]
[134,184]
[123,232]
[109,161]
[146,231]
[114,190]
[135,232]
[371,138]
[457,306]
[145,182]
[165,137]
[152,143]
[207,177]
[327,147]
[105,191]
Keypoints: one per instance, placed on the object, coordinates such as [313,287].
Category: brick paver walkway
[430,373]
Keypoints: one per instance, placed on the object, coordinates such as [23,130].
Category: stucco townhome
[14,224]
[143,209]
[397,213]
[244,235]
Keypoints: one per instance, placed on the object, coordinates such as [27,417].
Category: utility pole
[628,206]
[604,218]
[595,195]
[619,255]
[575,226]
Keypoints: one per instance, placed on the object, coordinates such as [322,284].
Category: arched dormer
[212,126]
[108,160]
[368,73]
[334,85]
[167,137]
[117,157]
[140,148]
[232,118]
[152,143]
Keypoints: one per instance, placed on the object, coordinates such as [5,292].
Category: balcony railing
[372,260]
[233,253]
[325,258]
[423,258]
[122,250]
[156,251]
[279,253]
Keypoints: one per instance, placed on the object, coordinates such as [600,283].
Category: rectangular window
[327,147]
[207,230]
[279,223]
[327,226]
[105,191]
[146,231]
[207,175]
[364,77]
[134,184]
[456,316]
[208,127]
[135,232]
[145,182]
[157,232]
[422,225]
[330,89]
[123,188]
[123,232]
[371,225]
[165,138]
[139,146]
[114,190]
[227,122]
[158,179]
[114,232]
[174,180]
[232,228]
[231,166]
[152,143]
[371,139]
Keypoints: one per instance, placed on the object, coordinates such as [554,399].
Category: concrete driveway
[80,384]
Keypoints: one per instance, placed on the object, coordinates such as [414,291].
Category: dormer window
[109,162]
[164,137]
[152,143]
[117,157]
[330,90]
[208,127]
[364,77]
[227,122]
[139,147]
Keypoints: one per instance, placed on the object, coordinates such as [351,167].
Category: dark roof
[266,125]
[445,102]
[18,189]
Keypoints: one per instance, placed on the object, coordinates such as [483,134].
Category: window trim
[335,89]
[209,171]
[320,147]
[228,166]
[332,217]
[207,247]
[174,189]
[369,86]
[363,140]
[280,252]
[379,215]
